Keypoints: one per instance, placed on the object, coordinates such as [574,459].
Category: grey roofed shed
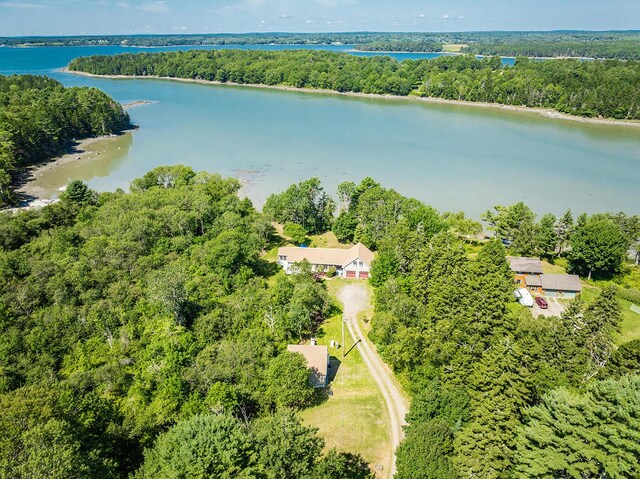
[525,265]
[561,282]
[533,280]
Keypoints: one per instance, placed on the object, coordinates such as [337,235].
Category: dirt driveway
[355,298]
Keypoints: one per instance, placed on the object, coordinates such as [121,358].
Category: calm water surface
[453,157]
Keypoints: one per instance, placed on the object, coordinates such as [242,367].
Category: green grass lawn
[630,327]
[354,418]
[453,47]
[327,240]
[548,268]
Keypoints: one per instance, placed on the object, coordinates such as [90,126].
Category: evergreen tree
[547,239]
[564,230]
[598,246]
[499,390]
[592,435]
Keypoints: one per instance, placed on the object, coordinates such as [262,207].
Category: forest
[496,393]
[607,89]
[40,119]
[135,344]
[144,334]
[614,44]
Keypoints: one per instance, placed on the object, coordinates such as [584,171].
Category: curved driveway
[355,298]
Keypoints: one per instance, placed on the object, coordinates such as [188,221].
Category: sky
[80,17]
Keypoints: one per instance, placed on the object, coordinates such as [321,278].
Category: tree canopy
[591,89]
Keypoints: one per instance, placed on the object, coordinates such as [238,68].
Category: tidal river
[452,157]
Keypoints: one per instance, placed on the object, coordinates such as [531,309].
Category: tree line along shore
[596,89]
[40,119]
[555,44]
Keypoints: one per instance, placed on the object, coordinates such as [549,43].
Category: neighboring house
[354,262]
[528,273]
[317,358]
[523,267]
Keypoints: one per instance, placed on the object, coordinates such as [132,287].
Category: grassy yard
[354,418]
[453,47]
[327,240]
[630,327]
[548,268]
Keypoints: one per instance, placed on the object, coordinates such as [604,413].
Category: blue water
[453,157]
[41,60]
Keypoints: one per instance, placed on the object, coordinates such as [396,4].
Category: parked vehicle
[524,296]
[540,301]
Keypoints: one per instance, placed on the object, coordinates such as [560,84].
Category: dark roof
[525,265]
[533,280]
[561,282]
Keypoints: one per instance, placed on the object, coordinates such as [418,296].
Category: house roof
[525,265]
[317,360]
[533,280]
[328,256]
[561,282]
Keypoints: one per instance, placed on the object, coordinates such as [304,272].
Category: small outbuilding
[317,358]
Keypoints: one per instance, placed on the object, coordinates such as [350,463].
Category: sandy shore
[31,194]
[544,112]
[133,104]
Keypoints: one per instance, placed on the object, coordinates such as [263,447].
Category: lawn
[548,268]
[453,47]
[354,418]
[630,327]
[327,240]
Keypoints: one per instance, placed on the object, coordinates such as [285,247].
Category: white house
[354,262]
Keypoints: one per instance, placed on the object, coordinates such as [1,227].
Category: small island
[602,90]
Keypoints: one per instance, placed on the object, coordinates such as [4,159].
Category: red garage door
[351,274]
[363,274]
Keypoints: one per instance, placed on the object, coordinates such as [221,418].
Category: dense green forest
[609,89]
[400,46]
[614,44]
[135,339]
[39,119]
[495,392]
[144,335]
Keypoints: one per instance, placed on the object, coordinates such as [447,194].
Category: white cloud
[286,17]
[445,17]
[422,15]
[21,5]
[158,6]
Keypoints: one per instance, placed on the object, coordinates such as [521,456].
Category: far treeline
[613,44]
[496,393]
[607,89]
[39,119]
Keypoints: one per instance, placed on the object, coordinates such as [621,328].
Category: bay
[453,157]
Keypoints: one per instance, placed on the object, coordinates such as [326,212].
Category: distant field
[355,417]
[453,47]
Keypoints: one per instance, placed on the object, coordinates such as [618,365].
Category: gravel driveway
[355,298]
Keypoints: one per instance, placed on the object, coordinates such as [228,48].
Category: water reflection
[99,160]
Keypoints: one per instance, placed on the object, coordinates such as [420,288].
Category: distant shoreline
[544,112]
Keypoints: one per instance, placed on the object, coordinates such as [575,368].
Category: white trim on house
[354,262]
